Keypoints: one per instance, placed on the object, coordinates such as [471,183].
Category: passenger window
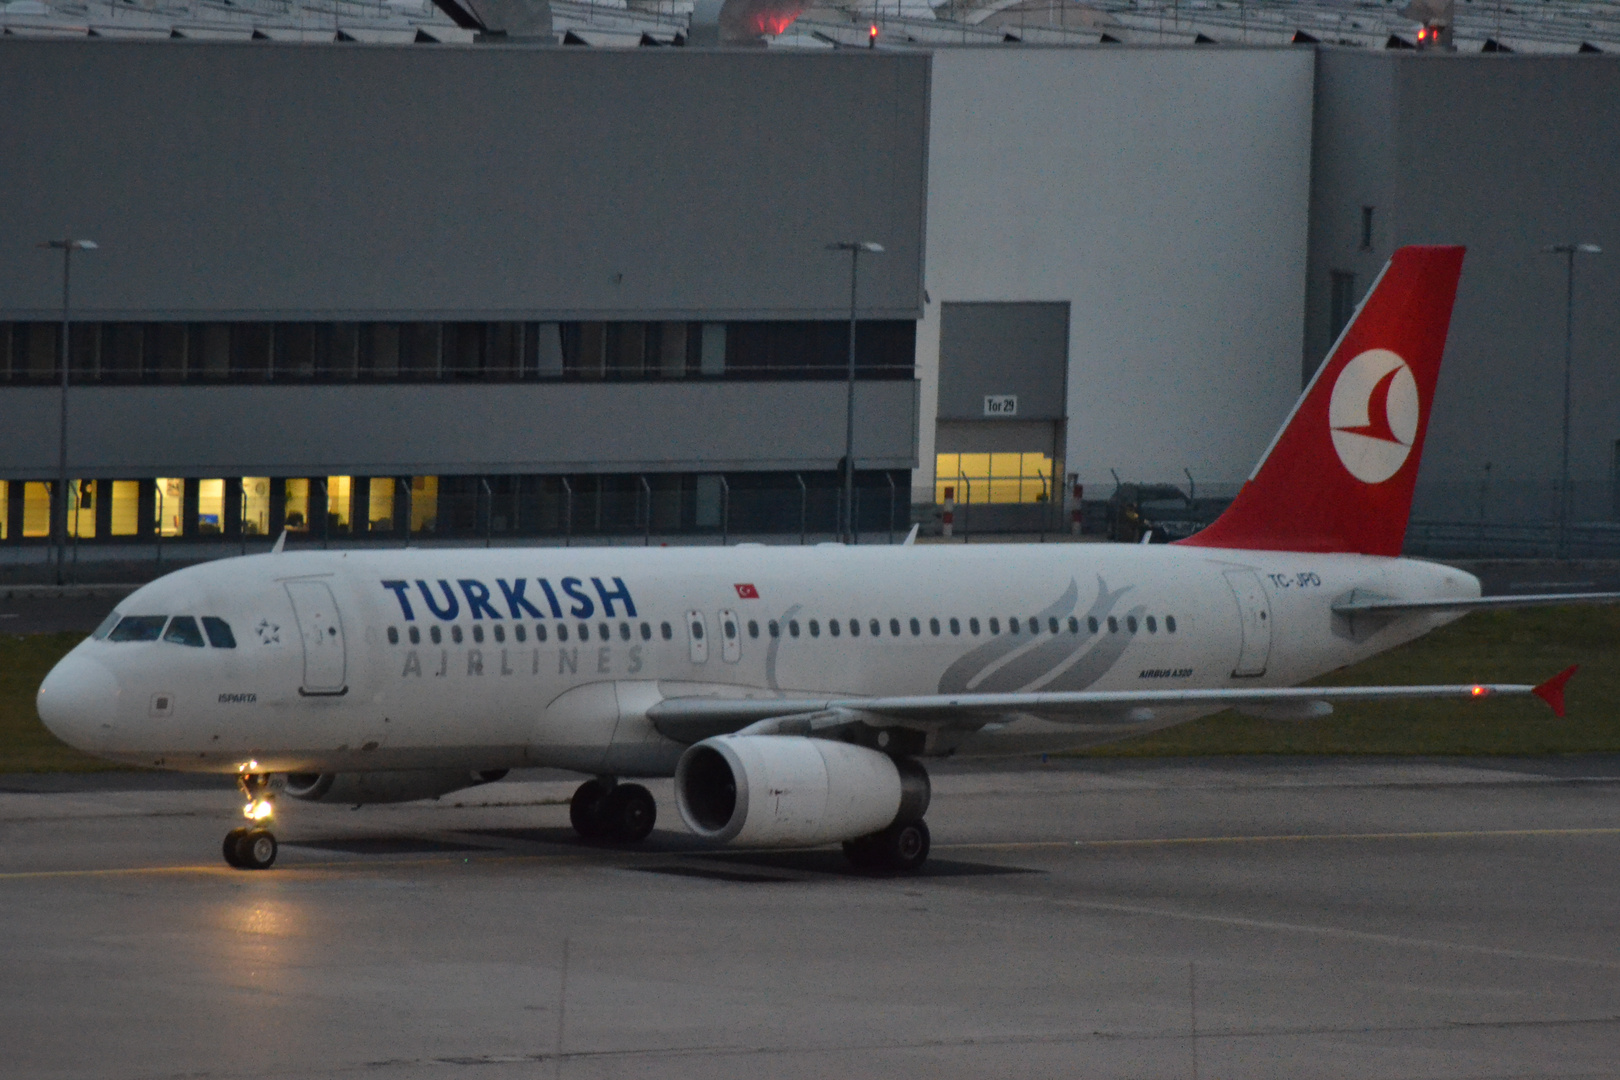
[539,631]
[973,626]
[1113,625]
[774,628]
[1074,625]
[933,626]
[455,634]
[106,626]
[1130,623]
[393,635]
[646,631]
[854,628]
[916,628]
[139,628]
[433,632]
[1152,625]
[894,627]
[604,632]
[753,628]
[584,631]
[1052,625]
[1012,625]
[875,627]
[956,627]
[1170,623]
[415,636]
[500,633]
[815,628]
[183,631]
[833,627]
[1034,625]
[697,629]
[995,625]
[624,631]
[667,631]
[220,636]
[478,633]
[729,627]
[793,627]
[1091,623]
[519,633]
[562,631]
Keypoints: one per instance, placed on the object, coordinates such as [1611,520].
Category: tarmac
[1224,918]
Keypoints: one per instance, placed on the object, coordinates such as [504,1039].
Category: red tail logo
[1340,474]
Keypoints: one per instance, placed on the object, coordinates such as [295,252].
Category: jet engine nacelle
[384,787]
[794,790]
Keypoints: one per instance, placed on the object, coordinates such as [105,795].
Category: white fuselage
[360,660]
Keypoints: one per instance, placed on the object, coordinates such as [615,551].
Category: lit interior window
[5,509]
[169,505]
[424,503]
[296,501]
[339,494]
[993,478]
[210,507]
[256,505]
[126,507]
[36,509]
[381,505]
[82,497]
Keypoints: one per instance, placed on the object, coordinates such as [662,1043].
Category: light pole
[59,526]
[1569,251]
[854,247]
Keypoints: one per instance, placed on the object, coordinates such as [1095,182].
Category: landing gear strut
[617,813]
[253,846]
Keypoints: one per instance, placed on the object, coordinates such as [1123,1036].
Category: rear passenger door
[730,637]
[697,637]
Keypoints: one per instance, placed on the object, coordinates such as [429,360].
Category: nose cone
[78,701]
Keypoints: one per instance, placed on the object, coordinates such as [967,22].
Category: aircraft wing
[690,719]
[1372,605]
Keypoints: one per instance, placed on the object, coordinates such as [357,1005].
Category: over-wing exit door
[320,629]
[1254,614]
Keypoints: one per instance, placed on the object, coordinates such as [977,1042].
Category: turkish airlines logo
[1374,415]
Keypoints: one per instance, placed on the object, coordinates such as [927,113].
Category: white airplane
[791,691]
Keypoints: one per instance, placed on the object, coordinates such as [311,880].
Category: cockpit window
[183,631]
[138,628]
[106,626]
[219,632]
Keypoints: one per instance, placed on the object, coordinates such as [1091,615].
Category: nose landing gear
[253,846]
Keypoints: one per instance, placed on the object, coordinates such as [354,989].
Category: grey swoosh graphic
[1095,664]
[1030,667]
[776,643]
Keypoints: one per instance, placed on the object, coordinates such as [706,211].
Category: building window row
[324,508]
[303,352]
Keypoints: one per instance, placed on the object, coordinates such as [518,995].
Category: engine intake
[385,787]
[794,790]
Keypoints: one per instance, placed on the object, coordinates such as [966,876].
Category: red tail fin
[1339,475]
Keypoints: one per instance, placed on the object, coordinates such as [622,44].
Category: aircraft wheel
[256,849]
[901,848]
[231,840]
[627,814]
[585,809]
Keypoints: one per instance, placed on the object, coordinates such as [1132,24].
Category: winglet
[911,537]
[280,544]
[1552,691]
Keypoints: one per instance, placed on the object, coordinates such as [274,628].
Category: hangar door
[1003,386]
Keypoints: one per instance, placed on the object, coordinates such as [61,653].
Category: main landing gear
[253,846]
[901,848]
[605,810]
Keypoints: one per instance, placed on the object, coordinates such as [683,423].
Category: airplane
[793,693]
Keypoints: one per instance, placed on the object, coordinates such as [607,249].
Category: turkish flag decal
[747,592]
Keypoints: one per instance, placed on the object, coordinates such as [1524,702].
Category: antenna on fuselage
[280,544]
[911,537]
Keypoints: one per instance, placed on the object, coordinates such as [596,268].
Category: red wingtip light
[1552,691]
[1479,691]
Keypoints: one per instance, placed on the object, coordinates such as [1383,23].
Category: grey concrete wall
[995,349]
[1162,193]
[1505,154]
[279,181]
[428,430]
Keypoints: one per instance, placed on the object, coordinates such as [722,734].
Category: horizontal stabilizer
[1373,605]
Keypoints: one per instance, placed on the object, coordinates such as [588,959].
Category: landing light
[258,810]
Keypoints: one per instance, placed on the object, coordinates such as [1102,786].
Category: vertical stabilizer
[1340,474]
